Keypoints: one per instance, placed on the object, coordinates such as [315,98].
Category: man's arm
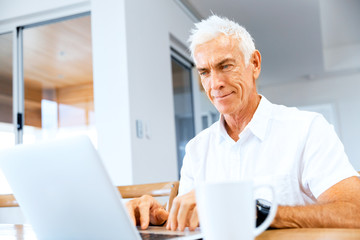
[337,207]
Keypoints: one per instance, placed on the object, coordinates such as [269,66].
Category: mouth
[220,97]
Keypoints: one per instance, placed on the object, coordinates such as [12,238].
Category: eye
[203,73]
[226,67]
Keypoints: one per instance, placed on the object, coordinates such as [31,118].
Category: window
[58,82]
[54,86]
[183,104]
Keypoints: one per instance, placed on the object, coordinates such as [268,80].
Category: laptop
[65,192]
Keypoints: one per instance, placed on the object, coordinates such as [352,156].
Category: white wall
[111,88]
[132,74]
[340,91]
[149,25]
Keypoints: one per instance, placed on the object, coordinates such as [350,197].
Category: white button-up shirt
[297,152]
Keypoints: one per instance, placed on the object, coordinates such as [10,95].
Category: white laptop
[65,193]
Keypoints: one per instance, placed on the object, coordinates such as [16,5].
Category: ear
[256,62]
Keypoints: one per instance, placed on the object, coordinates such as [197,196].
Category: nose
[216,81]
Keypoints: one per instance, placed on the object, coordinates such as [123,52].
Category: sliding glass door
[58,82]
[183,104]
[51,94]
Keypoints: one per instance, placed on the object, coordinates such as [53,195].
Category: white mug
[227,210]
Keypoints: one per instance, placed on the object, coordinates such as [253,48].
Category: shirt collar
[222,133]
[257,125]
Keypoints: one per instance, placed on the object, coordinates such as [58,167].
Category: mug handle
[269,218]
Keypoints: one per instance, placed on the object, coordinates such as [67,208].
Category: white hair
[213,26]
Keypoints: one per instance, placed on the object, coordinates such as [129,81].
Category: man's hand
[145,210]
[183,213]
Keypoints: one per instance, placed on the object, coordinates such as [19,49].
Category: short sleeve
[325,161]
[186,176]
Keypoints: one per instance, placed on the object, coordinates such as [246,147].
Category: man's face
[227,82]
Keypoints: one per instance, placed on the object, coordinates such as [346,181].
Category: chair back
[169,189]
[8,200]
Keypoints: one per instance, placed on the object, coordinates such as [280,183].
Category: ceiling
[56,55]
[297,38]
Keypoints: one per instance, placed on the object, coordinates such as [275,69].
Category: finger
[187,224]
[172,221]
[131,211]
[144,210]
[194,220]
[158,216]
[182,215]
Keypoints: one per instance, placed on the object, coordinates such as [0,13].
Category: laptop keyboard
[153,236]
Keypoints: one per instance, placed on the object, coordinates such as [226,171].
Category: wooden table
[311,234]
[25,232]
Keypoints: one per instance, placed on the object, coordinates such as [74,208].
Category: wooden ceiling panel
[55,55]
[58,55]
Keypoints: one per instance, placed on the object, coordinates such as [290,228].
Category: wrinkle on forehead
[217,49]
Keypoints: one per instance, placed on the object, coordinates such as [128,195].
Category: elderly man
[297,152]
